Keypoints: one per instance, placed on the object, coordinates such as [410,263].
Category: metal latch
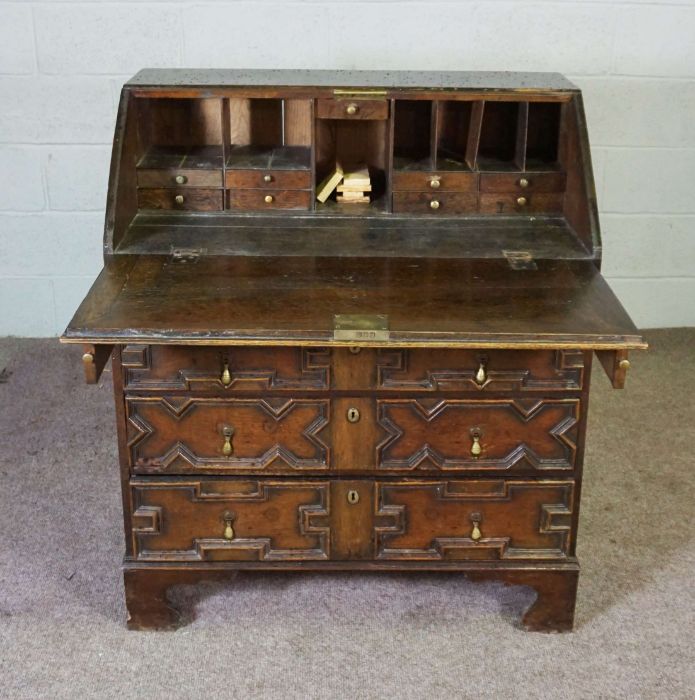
[183,255]
[520,260]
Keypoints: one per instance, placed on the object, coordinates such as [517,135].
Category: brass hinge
[183,255]
[520,260]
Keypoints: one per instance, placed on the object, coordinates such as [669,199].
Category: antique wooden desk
[398,385]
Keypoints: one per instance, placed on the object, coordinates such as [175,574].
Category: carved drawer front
[481,520]
[442,434]
[480,371]
[187,435]
[229,520]
[224,371]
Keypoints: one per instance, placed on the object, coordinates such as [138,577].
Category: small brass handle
[269,199]
[353,414]
[352,109]
[179,199]
[226,377]
[434,204]
[181,179]
[227,433]
[522,201]
[624,364]
[475,532]
[476,447]
[353,497]
[435,183]
[267,178]
[523,182]
[228,529]
[481,374]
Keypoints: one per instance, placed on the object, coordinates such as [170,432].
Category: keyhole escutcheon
[353,497]
[353,414]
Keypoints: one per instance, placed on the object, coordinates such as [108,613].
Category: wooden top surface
[410,80]
[293,300]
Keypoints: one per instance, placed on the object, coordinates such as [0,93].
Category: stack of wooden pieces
[355,188]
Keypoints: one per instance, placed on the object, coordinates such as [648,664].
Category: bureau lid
[295,300]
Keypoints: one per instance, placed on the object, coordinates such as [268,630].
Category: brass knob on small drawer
[435,183]
[353,497]
[476,447]
[352,109]
[524,182]
[226,377]
[181,179]
[481,374]
[267,178]
[179,199]
[227,433]
[353,414]
[228,529]
[269,199]
[522,201]
[624,364]
[475,532]
[434,204]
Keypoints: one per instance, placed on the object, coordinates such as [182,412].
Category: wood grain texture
[255,200]
[194,199]
[447,203]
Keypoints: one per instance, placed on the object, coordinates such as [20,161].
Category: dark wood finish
[268,179]
[173,178]
[193,199]
[251,435]
[257,200]
[446,181]
[447,203]
[352,109]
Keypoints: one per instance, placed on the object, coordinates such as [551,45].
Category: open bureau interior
[459,171]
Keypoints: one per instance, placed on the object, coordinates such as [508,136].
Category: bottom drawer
[209,519]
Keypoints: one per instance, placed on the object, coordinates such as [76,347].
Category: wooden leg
[553,609]
[146,599]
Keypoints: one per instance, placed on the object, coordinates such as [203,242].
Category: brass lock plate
[353,497]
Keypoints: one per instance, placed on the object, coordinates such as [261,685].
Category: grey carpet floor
[62,632]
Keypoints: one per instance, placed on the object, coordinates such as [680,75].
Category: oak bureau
[397,384]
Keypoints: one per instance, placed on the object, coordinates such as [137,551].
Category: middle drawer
[358,435]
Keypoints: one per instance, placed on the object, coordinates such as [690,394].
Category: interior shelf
[172,157]
[269,158]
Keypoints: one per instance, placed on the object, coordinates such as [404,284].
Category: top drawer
[519,183]
[180,178]
[211,369]
[352,109]
[252,369]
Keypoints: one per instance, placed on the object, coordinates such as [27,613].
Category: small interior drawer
[179,178]
[434,203]
[526,203]
[523,182]
[267,200]
[192,199]
[352,109]
[435,181]
[268,179]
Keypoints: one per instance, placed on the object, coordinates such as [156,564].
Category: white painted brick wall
[62,64]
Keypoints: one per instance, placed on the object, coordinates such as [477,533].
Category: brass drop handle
[179,199]
[227,433]
[435,183]
[226,377]
[269,199]
[434,204]
[267,178]
[481,374]
[181,179]
[352,109]
[522,201]
[228,529]
[476,448]
[475,532]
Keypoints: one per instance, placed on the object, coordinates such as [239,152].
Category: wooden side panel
[478,520]
[205,520]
